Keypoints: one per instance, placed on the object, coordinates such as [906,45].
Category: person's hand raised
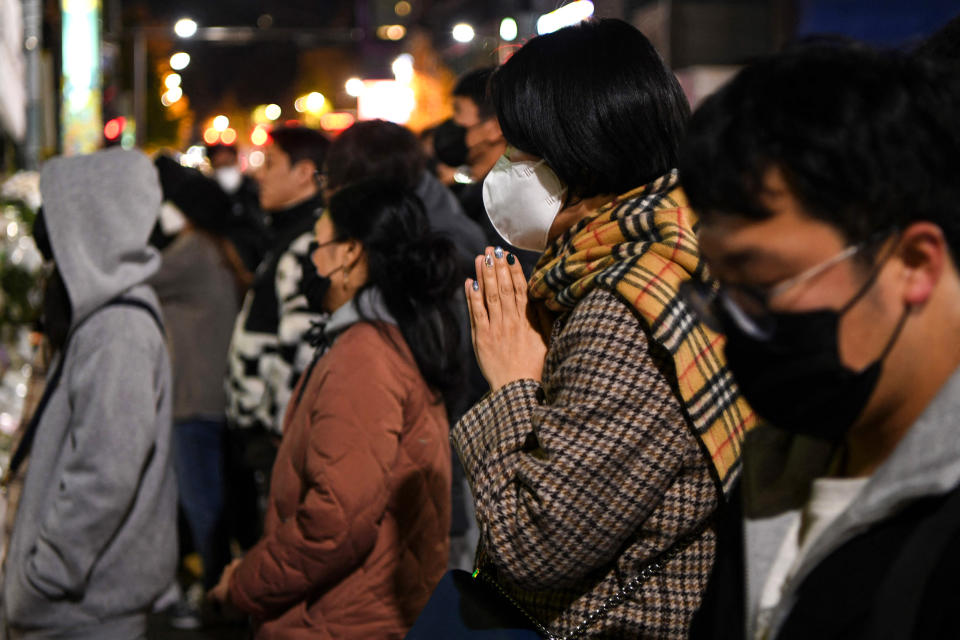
[508,332]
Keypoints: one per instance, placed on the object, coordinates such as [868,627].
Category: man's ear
[491,130]
[924,254]
[305,172]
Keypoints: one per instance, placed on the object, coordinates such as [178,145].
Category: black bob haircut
[597,103]
[474,85]
[866,141]
[302,143]
[944,45]
[375,148]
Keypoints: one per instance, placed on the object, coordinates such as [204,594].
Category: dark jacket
[448,218]
[885,569]
[198,293]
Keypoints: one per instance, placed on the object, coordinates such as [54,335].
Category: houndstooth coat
[582,480]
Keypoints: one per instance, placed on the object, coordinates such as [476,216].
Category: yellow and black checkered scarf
[642,246]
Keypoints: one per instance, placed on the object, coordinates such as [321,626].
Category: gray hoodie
[778,470]
[94,541]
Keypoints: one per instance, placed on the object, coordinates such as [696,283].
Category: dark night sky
[266,71]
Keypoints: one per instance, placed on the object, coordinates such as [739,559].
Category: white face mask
[229,178]
[522,199]
[172,221]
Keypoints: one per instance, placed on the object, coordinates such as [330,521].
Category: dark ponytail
[414,269]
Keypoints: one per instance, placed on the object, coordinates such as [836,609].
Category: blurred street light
[391,31]
[314,102]
[508,29]
[336,121]
[259,136]
[403,68]
[220,123]
[354,87]
[463,32]
[565,16]
[185,28]
[172,80]
[402,8]
[272,111]
[228,136]
[171,96]
[179,61]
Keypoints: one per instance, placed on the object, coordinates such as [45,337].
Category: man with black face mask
[825,182]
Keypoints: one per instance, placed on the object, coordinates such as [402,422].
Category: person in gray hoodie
[94,540]
[825,183]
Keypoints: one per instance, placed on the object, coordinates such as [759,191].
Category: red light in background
[211,135]
[113,128]
[228,136]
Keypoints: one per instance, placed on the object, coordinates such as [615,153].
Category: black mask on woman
[315,287]
[795,379]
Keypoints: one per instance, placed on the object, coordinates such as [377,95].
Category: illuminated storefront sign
[81,122]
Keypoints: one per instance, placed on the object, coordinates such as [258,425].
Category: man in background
[269,350]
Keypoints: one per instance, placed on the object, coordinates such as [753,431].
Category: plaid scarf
[642,247]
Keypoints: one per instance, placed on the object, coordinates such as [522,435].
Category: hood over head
[99,210]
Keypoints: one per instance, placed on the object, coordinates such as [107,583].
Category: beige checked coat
[583,480]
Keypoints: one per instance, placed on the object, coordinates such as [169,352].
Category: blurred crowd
[574,363]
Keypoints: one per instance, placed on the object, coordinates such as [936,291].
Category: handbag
[465,605]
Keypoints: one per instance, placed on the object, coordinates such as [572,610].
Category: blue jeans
[198,458]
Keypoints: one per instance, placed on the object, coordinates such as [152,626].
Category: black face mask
[795,379]
[450,143]
[315,288]
[314,285]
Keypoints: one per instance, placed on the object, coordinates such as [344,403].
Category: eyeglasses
[748,306]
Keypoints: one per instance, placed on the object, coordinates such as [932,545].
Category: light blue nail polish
[476,286]
[498,252]
[488,260]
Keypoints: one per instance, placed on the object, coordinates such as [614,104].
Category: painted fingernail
[510,258]
[488,260]
[498,252]
[476,286]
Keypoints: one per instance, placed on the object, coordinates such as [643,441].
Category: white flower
[24,186]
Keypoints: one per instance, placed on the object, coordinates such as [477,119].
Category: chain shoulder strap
[651,569]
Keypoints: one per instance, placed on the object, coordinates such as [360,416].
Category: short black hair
[944,44]
[474,85]
[597,103]
[375,149]
[219,147]
[302,143]
[867,141]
